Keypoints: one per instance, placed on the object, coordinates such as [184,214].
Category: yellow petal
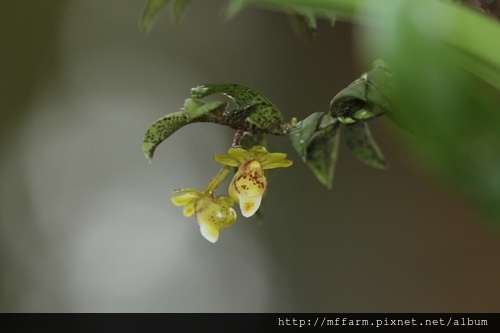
[183,199]
[213,216]
[275,160]
[189,209]
[239,154]
[226,160]
[259,150]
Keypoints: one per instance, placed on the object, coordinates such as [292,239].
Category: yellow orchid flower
[249,183]
[212,213]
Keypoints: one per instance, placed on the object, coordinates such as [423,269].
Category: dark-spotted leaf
[372,89]
[193,111]
[322,153]
[161,130]
[195,108]
[360,141]
[349,100]
[301,133]
[265,115]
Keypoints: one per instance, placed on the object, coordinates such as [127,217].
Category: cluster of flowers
[247,188]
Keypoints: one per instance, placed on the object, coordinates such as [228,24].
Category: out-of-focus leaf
[234,7]
[308,18]
[193,111]
[265,115]
[471,35]
[453,113]
[177,9]
[301,133]
[149,13]
[360,141]
[331,16]
[322,153]
[303,22]
[491,7]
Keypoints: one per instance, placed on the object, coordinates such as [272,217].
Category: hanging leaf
[301,133]
[193,111]
[150,12]
[161,130]
[265,115]
[360,141]
[322,152]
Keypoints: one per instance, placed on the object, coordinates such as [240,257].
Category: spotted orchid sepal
[249,183]
[212,212]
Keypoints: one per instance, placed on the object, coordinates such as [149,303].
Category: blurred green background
[86,223]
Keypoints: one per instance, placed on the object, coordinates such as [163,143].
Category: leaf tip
[148,150]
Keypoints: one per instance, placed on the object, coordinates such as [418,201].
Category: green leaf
[380,89]
[348,101]
[301,133]
[248,140]
[161,130]
[303,22]
[264,114]
[195,108]
[149,13]
[234,7]
[193,111]
[177,9]
[373,89]
[316,140]
[452,111]
[322,152]
[331,16]
[360,141]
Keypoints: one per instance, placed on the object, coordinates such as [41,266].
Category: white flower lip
[249,205]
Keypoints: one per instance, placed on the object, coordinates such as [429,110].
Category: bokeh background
[86,223]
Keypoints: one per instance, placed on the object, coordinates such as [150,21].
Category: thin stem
[237,138]
[217,180]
